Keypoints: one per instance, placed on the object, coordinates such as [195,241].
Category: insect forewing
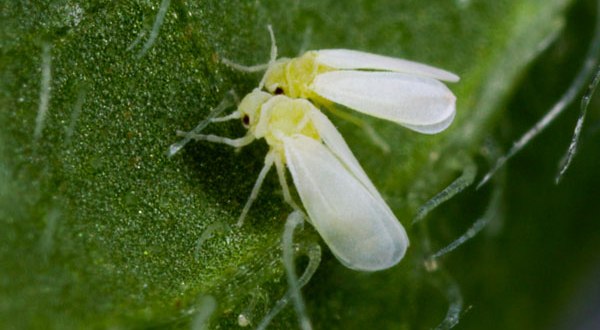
[347,59]
[423,104]
[337,145]
[357,225]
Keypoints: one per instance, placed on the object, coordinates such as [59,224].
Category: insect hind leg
[375,138]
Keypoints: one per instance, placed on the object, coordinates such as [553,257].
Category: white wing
[419,103]
[346,59]
[337,145]
[357,225]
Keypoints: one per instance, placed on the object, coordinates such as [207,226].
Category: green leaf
[100,228]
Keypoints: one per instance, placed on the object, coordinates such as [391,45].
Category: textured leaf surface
[100,228]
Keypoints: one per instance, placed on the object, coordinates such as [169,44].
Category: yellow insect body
[293,76]
[276,118]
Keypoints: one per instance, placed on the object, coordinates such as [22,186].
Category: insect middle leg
[283,182]
[269,159]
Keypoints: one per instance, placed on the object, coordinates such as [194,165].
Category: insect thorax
[286,117]
[292,77]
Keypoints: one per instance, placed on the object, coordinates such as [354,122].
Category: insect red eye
[278,91]
[246,120]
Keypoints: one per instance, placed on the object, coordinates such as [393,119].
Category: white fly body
[342,203]
[405,92]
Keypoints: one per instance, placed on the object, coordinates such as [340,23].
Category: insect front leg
[229,100]
[236,143]
[258,67]
[234,115]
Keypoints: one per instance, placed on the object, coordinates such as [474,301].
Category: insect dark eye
[246,120]
[278,91]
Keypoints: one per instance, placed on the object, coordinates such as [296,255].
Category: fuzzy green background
[98,228]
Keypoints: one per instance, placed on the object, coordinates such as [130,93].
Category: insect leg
[258,67]
[245,68]
[261,177]
[236,143]
[375,138]
[217,111]
[234,115]
[283,182]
